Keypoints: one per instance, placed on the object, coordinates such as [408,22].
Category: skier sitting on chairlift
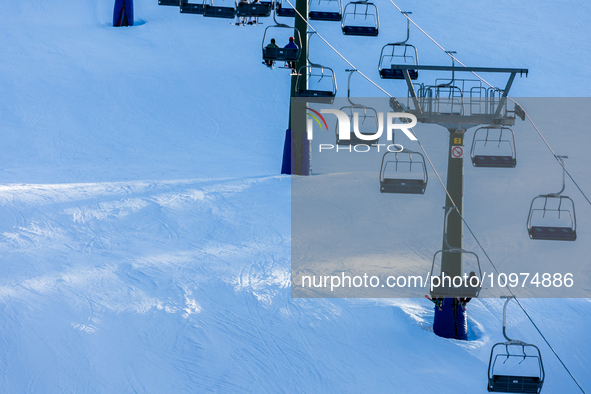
[291,44]
[270,63]
[244,20]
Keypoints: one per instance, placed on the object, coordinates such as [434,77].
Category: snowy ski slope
[145,231]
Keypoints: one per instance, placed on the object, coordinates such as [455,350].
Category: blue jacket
[291,44]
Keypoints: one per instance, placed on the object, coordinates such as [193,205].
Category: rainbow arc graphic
[317,117]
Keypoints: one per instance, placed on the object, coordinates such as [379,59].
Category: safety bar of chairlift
[451,249]
[310,66]
[546,197]
[487,128]
[367,4]
[410,153]
[328,1]
[555,195]
[399,44]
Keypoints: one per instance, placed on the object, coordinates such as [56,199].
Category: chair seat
[493,161]
[393,73]
[219,12]
[281,54]
[324,16]
[360,31]
[253,10]
[169,2]
[407,186]
[514,384]
[192,8]
[553,233]
[315,93]
[289,12]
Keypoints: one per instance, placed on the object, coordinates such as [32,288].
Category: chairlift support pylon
[279,53]
[314,70]
[514,382]
[403,162]
[447,289]
[333,15]
[352,110]
[482,138]
[360,10]
[562,206]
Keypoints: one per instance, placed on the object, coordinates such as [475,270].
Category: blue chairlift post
[514,366]
[552,216]
[493,146]
[360,18]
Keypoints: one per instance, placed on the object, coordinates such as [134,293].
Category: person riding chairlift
[270,63]
[293,45]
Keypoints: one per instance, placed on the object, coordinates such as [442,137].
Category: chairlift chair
[315,75]
[325,10]
[280,10]
[192,8]
[169,2]
[403,172]
[397,53]
[497,140]
[514,366]
[360,18]
[447,288]
[362,117]
[552,216]
[254,10]
[225,12]
[365,116]
[281,54]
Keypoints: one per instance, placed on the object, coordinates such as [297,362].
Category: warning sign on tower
[457,152]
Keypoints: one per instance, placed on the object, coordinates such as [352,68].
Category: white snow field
[145,229]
